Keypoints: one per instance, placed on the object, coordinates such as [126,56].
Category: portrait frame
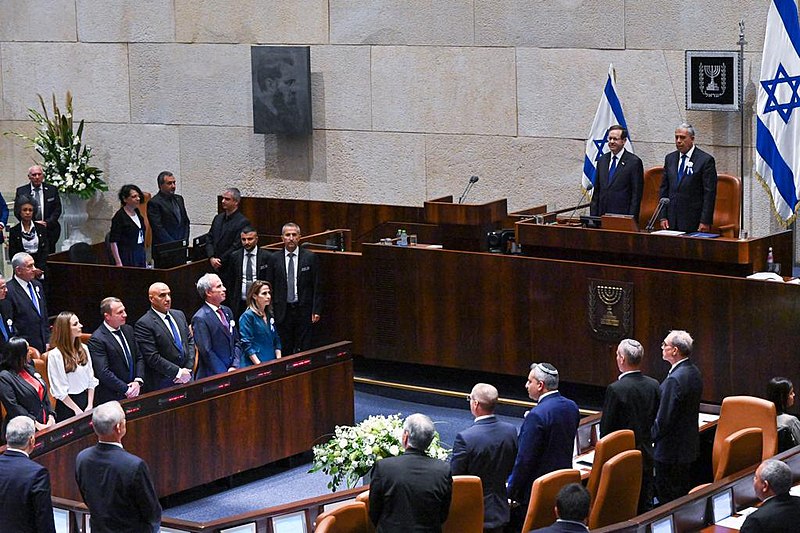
[712,80]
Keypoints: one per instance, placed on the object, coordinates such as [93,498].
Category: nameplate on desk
[172,399]
[216,385]
[298,364]
[257,375]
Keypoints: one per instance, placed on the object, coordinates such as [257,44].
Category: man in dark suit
[246,264]
[116,359]
[620,178]
[411,492]
[572,510]
[780,512]
[166,212]
[115,484]
[546,439]
[215,333]
[49,204]
[676,434]
[690,183]
[6,315]
[296,298]
[487,450]
[28,304]
[631,402]
[165,342]
[224,236]
[24,484]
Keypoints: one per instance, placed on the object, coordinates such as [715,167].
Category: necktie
[612,169]
[128,356]
[34,299]
[37,193]
[682,168]
[248,277]
[222,317]
[291,293]
[175,336]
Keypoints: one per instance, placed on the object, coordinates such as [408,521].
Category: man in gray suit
[165,341]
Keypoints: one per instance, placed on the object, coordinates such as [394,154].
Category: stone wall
[410,98]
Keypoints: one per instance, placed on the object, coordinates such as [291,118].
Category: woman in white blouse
[69,367]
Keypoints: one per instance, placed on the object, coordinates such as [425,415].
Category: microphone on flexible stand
[664,202]
[472,181]
[580,200]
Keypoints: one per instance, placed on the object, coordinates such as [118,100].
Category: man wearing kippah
[546,439]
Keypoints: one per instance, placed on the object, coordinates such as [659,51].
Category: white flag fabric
[777,158]
[609,112]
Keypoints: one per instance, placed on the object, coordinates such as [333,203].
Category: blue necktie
[612,170]
[175,336]
[34,299]
[682,168]
[128,356]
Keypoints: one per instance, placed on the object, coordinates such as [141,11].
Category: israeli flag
[777,160]
[609,112]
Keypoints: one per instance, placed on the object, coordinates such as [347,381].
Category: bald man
[165,341]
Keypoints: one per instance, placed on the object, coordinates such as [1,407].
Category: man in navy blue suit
[690,183]
[572,510]
[28,304]
[676,434]
[115,484]
[547,437]
[215,333]
[487,449]
[780,511]
[24,484]
[620,178]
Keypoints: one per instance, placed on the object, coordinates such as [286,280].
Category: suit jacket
[676,435]
[166,227]
[117,488]
[110,364]
[779,514]
[546,441]
[162,357]
[410,492]
[562,527]
[631,402]
[28,323]
[217,345]
[308,293]
[231,275]
[3,214]
[224,237]
[15,244]
[624,195]
[51,209]
[488,450]
[7,317]
[20,399]
[691,202]
[25,491]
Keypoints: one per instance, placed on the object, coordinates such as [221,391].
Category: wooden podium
[464,226]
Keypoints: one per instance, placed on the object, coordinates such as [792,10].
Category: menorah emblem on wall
[610,296]
[712,71]
[610,309]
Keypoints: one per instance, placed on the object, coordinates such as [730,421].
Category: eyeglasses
[469,398]
[665,345]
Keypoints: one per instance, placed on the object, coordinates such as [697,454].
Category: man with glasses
[547,437]
[676,434]
[49,202]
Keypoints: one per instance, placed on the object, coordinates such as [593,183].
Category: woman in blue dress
[260,340]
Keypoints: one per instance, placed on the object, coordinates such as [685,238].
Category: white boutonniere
[231,324]
[689,166]
[36,288]
[10,322]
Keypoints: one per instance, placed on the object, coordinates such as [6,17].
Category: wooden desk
[723,256]
[193,434]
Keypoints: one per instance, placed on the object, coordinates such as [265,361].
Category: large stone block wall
[409,98]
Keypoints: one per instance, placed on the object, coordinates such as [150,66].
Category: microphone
[320,246]
[581,199]
[472,181]
[664,202]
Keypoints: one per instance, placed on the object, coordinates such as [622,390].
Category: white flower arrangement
[350,453]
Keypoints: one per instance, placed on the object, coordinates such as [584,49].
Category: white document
[667,232]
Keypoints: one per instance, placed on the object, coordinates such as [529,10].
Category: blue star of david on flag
[609,113]
[777,157]
[773,85]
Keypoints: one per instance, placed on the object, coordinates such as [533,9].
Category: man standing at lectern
[620,178]
[690,183]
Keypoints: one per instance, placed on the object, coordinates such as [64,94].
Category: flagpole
[741,43]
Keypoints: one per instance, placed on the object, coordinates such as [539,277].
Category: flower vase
[74,217]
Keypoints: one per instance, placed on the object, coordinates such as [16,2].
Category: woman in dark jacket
[127,229]
[22,391]
[28,236]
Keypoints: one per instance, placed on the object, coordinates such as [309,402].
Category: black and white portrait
[281,89]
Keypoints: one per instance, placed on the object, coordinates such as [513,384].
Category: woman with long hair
[22,389]
[260,340]
[780,391]
[69,367]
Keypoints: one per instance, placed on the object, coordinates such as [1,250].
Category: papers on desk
[735,522]
[667,232]
[582,462]
[706,418]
